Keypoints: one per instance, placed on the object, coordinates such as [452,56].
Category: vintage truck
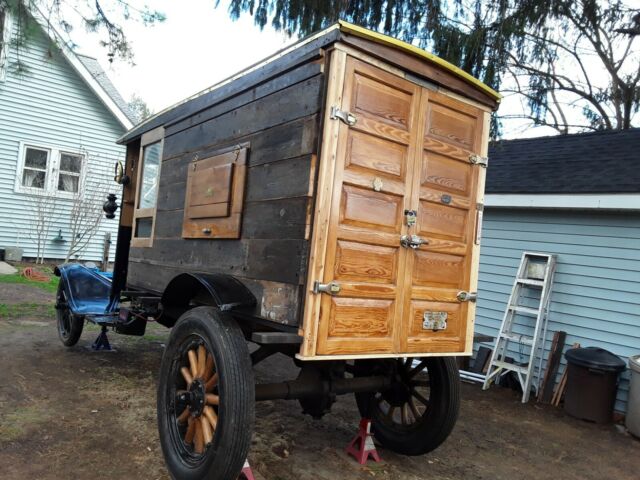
[325,204]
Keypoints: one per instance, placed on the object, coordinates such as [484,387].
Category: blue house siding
[51,105]
[596,293]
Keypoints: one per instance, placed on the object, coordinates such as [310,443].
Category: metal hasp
[467,296]
[332,288]
[434,321]
[479,160]
[413,241]
[347,117]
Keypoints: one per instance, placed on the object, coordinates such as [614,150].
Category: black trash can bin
[592,382]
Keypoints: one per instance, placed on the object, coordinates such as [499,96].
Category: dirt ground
[75,414]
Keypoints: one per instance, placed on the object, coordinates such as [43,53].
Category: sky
[194,48]
[199,45]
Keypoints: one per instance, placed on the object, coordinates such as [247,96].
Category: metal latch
[467,296]
[410,217]
[413,241]
[434,321]
[332,288]
[347,117]
[479,160]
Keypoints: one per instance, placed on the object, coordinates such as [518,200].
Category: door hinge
[467,296]
[332,288]
[347,117]
[479,160]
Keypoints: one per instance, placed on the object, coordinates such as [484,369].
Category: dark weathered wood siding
[280,120]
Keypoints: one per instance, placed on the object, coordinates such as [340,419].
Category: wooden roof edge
[418,52]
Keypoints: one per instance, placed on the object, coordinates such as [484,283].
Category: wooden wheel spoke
[390,412]
[198,440]
[208,368]
[202,360]
[414,371]
[207,433]
[191,431]
[211,416]
[211,383]
[193,363]
[212,399]
[414,409]
[403,414]
[186,375]
[420,397]
[184,416]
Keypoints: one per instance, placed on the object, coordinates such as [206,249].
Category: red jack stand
[246,473]
[362,447]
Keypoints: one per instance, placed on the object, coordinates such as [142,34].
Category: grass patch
[17,424]
[50,286]
[26,310]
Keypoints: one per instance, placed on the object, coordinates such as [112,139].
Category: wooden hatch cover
[406,165]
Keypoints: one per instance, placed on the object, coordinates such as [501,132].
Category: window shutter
[215,195]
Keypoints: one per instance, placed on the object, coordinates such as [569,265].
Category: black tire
[436,422]
[222,338]
[69,325]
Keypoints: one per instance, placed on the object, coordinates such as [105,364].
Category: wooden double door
[406,167]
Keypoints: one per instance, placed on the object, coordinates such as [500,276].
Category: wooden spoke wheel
[417,413]
[206,397]
[69,325]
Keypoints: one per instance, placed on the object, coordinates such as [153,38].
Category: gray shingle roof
[92,65]
[598,162]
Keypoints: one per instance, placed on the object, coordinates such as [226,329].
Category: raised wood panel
[359,262]
[451,125]
[438,269]
[370,209]
[385,103]
[211,184]
[448,340]
[360,317]
[376,154]
[443,220]
[445,173]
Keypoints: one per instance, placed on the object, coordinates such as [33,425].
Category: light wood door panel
[371,192]
[408,150]
[445,196]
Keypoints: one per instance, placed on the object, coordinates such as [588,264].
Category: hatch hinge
[479,160]
[332,288]
[347,117]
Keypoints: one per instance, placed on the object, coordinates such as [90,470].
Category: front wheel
[420,409]
[206,397]
[69,325]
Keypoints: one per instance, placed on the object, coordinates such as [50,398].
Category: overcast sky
[197,46]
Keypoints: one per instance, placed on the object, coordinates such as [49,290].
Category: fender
[218,289]
[86,289]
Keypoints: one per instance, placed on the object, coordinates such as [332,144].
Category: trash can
[633,404]
[592,381]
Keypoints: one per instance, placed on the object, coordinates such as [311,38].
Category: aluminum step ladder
[536,272]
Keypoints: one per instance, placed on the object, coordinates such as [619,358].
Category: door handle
[467,296]
[413,241]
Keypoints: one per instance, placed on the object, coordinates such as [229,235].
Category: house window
[49,171]
[148,178]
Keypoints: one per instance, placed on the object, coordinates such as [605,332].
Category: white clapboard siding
[50,105]
[596,294]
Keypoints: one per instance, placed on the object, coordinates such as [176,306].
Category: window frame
[148,138]
[52,174]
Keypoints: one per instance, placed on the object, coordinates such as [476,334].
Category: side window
[147,188]
[36,167]
[70,171]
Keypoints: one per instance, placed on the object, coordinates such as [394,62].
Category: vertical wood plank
[323,202]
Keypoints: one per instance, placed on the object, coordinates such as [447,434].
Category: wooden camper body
[262,179]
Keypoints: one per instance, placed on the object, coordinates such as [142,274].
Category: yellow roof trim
[407,47]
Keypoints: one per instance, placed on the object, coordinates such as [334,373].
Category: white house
[576,196]
[59,121]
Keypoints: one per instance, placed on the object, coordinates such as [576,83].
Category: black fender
[216,289]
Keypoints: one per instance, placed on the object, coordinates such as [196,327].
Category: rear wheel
[420,409]
[206,397]
[69,325]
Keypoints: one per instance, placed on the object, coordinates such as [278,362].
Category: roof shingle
[598,162]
